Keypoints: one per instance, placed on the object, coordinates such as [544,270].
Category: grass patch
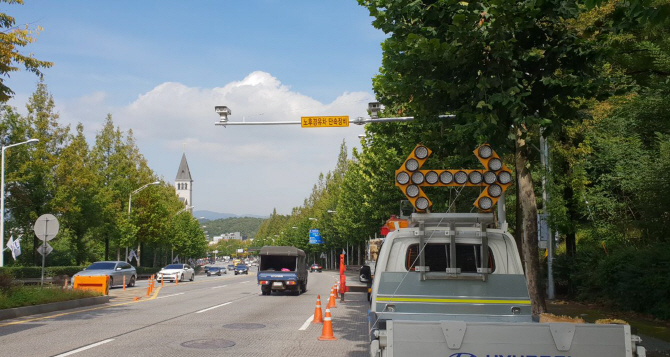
[645,324]
[19,296]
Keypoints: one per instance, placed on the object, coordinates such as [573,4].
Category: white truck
[449,286]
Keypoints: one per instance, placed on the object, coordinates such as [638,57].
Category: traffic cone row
[318,319]
[327,331]
[331,302]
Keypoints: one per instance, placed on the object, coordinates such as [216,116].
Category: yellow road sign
[495,178]
[324,122]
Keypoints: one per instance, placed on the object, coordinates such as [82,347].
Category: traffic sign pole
[44,255]
[45,232]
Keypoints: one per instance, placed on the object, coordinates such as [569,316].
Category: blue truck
[282,269]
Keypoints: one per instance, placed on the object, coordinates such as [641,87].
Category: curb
[56,306]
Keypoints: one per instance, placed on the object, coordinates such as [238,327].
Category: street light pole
[130,201]
[2,199]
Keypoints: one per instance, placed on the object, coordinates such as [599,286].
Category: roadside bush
[36,272]
[33,295]
[6,282]
[147,270]
[632,279]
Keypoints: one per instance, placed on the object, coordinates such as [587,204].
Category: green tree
[12,38]
[506,69]
[74,198]
[33,196]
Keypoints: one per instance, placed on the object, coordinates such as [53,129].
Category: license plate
[277,284]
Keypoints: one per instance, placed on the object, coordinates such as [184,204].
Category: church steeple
[184,182]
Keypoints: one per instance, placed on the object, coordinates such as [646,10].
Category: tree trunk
[529,226]
[518,224]
[106,248]
[36,244]
[139,254]
[570,236]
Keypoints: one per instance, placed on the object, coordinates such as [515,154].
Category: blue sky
[159,67]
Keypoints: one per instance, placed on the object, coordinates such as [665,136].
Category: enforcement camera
[223,112]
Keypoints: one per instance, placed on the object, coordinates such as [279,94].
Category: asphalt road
[211,316]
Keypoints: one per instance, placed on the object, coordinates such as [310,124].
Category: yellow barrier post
[124,283]
[95,283]
[176,279]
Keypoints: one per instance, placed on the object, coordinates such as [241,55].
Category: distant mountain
[210,216]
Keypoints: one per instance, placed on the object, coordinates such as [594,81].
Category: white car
[174,271]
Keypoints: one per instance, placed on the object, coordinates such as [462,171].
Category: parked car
[241,269]
[173,271]
[213,270]
[231,266]
[115,269]
[315,267]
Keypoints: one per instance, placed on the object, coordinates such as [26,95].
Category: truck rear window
[468,257]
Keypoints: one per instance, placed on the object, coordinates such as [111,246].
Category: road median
[51,307]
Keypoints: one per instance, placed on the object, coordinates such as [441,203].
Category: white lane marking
[244,282]
[213,307]
[306,324]
[84,348]
[160,297]
[216,287]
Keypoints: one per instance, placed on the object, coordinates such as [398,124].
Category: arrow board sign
[495,178]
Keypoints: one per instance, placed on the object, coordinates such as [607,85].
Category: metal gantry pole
[357,121]
[544,147]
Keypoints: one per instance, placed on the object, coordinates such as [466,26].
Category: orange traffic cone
[335,290]
[331,302]
[318,315]
[327,332]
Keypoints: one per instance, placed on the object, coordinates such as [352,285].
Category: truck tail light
[264,282]
[290,282]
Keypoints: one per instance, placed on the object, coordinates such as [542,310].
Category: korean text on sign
[321,122]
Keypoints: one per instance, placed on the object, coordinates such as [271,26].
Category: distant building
[226,236]
[235,235]
[184,183]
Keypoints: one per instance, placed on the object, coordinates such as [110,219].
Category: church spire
[183,174]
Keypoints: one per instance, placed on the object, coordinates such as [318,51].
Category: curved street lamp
[2,199]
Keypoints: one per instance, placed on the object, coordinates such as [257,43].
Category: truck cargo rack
[452,221]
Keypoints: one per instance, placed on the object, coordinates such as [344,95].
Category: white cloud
[237,169]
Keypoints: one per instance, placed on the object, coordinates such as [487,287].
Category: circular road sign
[46,227]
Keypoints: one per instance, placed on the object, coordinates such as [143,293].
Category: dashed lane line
[84,348]
[213,307]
